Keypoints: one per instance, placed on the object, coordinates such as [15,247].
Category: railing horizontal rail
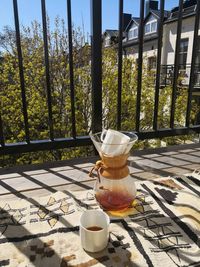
[39,145]
[61,143]
[161,133]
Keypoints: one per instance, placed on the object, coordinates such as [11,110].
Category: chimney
[126,20]
[151,5]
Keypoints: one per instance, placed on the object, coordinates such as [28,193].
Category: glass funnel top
[113,143]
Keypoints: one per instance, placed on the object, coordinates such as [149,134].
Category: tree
[35,85]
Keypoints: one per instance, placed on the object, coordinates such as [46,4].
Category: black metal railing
[140,56]
[157,85]
[162,77]
[184,74]
[21,70]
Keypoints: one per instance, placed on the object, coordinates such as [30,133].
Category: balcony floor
[43,179]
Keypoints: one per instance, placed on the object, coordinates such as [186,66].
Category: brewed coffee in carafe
[114,187]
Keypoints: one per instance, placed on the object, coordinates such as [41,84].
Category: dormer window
[107,41]
[154,26]
[147,28]
[133,33]
[151,27]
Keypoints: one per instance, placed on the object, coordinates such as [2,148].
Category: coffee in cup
[94,230]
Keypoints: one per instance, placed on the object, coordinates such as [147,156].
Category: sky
[30,10]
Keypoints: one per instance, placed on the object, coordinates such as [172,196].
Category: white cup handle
[103,134]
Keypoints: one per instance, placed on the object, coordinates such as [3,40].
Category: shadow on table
[26,243]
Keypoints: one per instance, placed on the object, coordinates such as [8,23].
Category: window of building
[107,41]
[133,33]
[150,27]
[147,28]
[197,61]
[152,63]
[197,64]
[154,26]
[183,53]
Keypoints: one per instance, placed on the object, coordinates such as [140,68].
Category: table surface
[42,179]
[164,224]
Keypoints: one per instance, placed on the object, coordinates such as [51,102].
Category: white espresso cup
[94,230]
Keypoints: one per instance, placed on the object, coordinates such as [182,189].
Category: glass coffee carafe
[114,188]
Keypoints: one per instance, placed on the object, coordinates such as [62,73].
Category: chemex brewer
[114,188]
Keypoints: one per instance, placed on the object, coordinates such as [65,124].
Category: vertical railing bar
[119,95]
[71,70]
[176,64]
[158,64]
[140,62]
[46,58]
[1,132]
[194,53]
[21,70]
[96,64]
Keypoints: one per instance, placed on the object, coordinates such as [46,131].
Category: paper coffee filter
[114,142]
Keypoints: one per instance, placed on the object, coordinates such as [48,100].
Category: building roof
[134,19]
[189,9]
[147,38]
[157,14]
[111,33]
[186,4]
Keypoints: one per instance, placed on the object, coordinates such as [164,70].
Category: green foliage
[36,93]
